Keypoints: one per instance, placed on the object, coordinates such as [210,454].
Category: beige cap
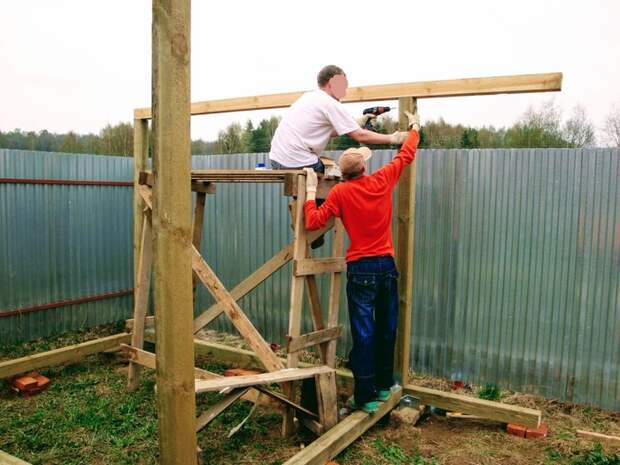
[352,159]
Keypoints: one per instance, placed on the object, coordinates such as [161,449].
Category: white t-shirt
[307,127]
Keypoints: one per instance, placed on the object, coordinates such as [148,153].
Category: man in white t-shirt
[316,117]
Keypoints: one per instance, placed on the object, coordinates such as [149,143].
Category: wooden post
[297,295]
[197,222]
[172,236]
[405,228]
[140,157]
[141,297]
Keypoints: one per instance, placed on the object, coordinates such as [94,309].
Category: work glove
[364,119]
[398,137]
[311,180]
[414,121]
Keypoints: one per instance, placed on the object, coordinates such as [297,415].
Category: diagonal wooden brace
[245,327]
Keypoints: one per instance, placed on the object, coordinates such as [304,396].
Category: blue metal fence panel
[516,276]
[63,242]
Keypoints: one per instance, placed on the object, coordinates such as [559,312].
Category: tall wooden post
[404,253]
[172,234]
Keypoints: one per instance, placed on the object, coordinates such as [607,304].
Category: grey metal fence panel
[517,271]
[517,260]
[63,242]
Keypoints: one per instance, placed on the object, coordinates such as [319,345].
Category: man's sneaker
[383,395]
[368,407]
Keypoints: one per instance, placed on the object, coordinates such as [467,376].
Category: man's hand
[364,119]
[414,121]
[398,137]
[311,181]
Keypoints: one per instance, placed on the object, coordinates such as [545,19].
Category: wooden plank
[313,425]
[284,375]
[172,221]
[229,399]
[483,408]
[487,409]
[334,292]
[234,313]
[311,339]
[64,355]
[313,266]
[405,229]
[6,459]
[141,297]
[327,399]
[598,437]
[148,179]
[148,360]
[334,441]
[140,158]
[523,83]
[147,195]
[296,305]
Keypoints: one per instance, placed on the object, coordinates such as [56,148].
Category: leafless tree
[578,130]
[612,127]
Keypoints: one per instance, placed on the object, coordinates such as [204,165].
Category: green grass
[490,392]
[395,455]
[87,416]
[597,456]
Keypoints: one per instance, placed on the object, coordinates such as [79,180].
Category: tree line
[537,127]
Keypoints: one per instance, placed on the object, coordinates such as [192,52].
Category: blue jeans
[319,167]
[372,294]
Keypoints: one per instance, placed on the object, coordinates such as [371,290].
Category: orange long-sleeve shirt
[365,206]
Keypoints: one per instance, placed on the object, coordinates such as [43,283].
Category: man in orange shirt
[364,204]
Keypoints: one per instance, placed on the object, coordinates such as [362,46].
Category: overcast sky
[78,65]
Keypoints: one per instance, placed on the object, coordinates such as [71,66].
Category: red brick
[540,432]
[42,382]
[25,383]
[516,430]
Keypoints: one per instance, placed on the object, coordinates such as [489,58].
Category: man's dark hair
[327,73]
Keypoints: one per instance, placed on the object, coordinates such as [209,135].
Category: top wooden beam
[522,83]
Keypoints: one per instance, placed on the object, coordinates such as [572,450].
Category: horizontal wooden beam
[334,441]
[312,266]
[148,360]
[69,354]
[280,376]
[522,83]
[6,459]
[483,408]
[490,410]
[298,343]
[599,437]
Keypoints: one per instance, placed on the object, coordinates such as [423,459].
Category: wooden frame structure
[305,267]
[167,241]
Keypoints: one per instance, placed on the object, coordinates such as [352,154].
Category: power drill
[374,111]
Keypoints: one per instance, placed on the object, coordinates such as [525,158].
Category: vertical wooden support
[297,295]
[334,291]
[140,157]
[199,215]
[404,253]
[327,399]
[172,238]
[141,297]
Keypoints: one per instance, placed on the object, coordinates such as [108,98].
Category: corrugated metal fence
[517,259]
